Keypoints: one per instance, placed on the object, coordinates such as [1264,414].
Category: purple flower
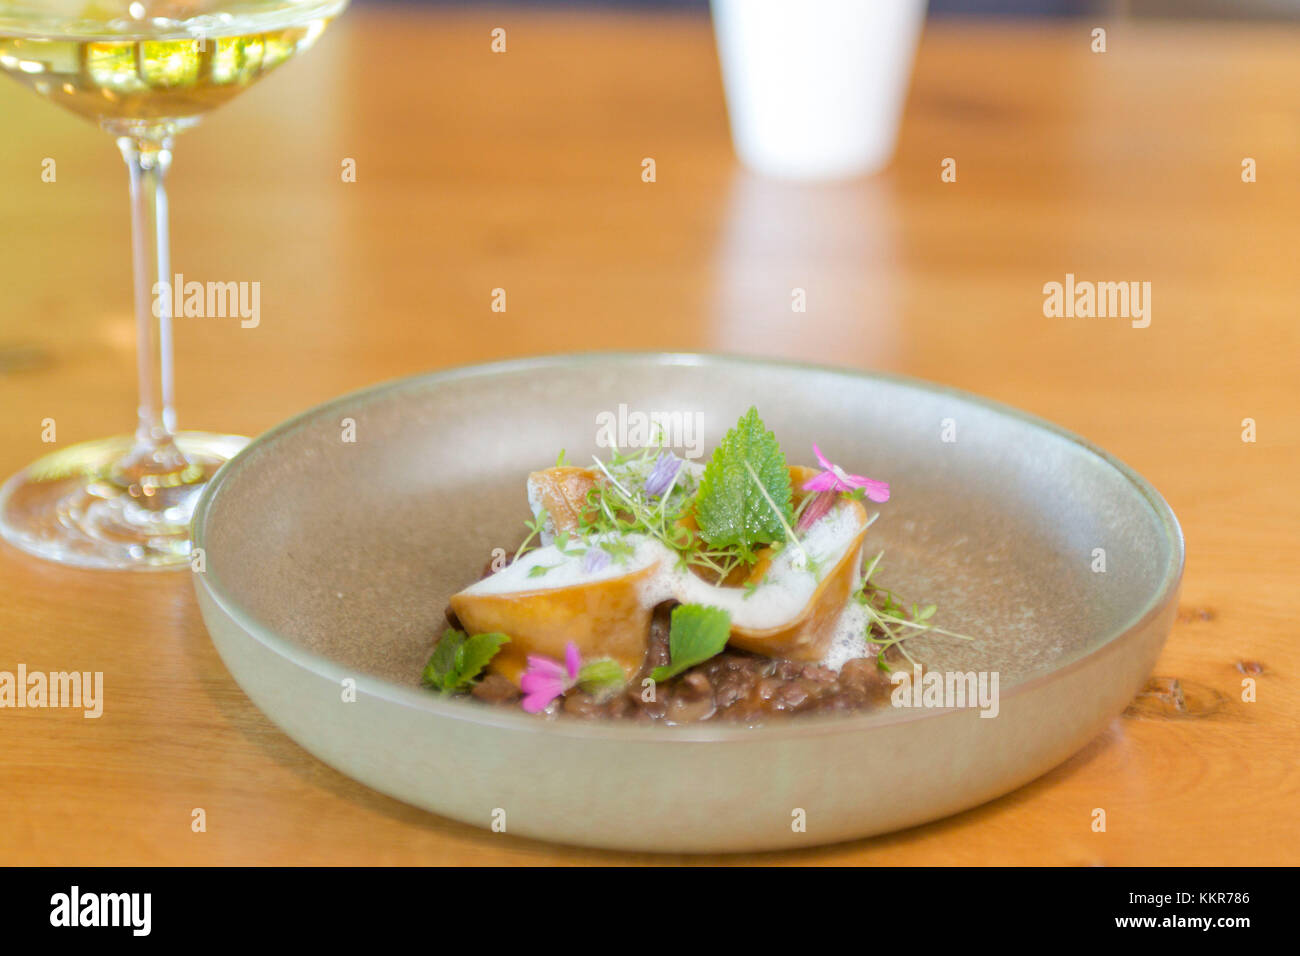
[546,679]
[662,474]
[596,559]
[834,478]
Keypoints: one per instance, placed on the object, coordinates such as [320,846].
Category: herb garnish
[601,678]
[620,505]
[744,497]
[697,633]
[535,528]
[458,660]
[885,613]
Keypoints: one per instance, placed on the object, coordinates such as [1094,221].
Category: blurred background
[1049,8]
[477,171]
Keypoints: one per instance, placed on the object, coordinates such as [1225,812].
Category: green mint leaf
[730,507]
[474,655]
[697,632]
[443,661]
[537,570]
[458,660]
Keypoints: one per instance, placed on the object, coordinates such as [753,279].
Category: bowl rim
[209,584]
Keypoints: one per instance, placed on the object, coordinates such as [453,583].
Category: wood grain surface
[521,171]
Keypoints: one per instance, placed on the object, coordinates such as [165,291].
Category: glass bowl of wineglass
[144,70]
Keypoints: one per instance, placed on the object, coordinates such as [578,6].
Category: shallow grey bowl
[330,561]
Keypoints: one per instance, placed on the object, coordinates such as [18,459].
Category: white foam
[850,638]
[565,570]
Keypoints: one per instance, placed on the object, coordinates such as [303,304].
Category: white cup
[815,88]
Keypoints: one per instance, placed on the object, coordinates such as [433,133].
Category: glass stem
[155,454]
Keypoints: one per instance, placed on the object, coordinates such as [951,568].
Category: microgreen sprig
[885,613]
[534,530]
[620,507]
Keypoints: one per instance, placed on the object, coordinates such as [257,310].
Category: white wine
[142,69]
[156,72]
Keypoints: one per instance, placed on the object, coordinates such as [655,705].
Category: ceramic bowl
[332,543]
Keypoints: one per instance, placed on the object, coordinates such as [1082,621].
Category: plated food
[654,587]
[324,603]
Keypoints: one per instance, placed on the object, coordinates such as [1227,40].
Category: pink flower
[546,678]
[834,478]
[816,509]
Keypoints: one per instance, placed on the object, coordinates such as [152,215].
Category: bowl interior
[345,530]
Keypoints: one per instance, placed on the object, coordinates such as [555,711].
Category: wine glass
[144,70]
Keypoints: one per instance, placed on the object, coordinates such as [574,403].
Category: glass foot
[99,505]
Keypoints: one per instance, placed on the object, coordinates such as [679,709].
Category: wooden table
[521,171]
